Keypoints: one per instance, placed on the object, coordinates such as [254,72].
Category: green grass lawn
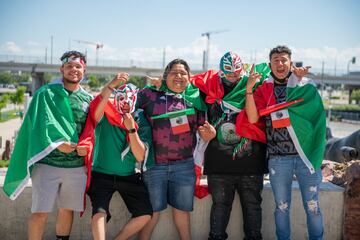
[8,115]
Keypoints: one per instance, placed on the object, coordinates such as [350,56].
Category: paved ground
[8,129]
[341,129]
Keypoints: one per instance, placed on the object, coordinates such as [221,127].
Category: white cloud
[10,48]
[152,57]
[193,54]
[335,59]
[32,43]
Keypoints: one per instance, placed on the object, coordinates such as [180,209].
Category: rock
[351,228]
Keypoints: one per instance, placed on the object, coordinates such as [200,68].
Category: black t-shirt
[279,141]
[222,154]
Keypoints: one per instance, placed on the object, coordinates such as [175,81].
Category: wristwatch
[132,130]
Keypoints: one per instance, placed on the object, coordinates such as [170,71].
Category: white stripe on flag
[299,149]
[280,118]
[179,124]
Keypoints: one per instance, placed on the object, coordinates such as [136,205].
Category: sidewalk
[342,129]
[7,130]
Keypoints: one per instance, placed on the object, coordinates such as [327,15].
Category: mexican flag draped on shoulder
[210,83]
[307,118]
[48,123]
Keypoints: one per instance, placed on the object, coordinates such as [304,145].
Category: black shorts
[131,188]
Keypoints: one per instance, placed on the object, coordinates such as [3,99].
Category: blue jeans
[222,188]
[171,183]
[281,171]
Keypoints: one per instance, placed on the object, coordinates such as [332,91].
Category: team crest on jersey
[226,134]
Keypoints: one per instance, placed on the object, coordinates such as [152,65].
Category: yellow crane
[97,45]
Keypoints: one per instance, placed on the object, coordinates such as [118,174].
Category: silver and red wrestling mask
[125,98]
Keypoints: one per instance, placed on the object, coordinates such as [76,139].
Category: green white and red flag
[307,127]
[48,123]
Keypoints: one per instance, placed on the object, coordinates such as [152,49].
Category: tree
[18,98]
[355,95]
[25,77]
[104,79]
[49,76]
[5,78]
[3,102]
[137,81]
[17,79]
[93,82]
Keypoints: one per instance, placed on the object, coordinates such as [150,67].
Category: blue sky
[140,30]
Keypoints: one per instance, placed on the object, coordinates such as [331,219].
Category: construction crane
[97,45]
[206,54]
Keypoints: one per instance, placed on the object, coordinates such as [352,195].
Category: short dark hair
[73,53]
[280,49]
[174,62]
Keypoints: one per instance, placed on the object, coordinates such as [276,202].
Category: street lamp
[353,61]
[206,54]
[322,78]
[51,58]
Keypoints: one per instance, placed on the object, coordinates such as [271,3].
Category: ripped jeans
[281,171]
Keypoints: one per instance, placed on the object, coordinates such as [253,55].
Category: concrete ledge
[14,216]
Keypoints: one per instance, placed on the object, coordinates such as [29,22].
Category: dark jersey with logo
[168,146]
[228,153]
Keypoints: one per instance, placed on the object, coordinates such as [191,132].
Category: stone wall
[14,215]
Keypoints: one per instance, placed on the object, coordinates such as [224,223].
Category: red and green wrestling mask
[231,66]
[125,98]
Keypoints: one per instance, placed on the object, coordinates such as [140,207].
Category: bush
[344,107]
[8,115]
[355,95]
[4,163]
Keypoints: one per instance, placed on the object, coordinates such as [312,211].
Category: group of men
[264,118]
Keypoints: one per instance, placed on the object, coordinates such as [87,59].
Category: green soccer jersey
[111,155]
[79,102]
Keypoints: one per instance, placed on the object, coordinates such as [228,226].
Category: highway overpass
[135,71]
[38,69]
[54,68]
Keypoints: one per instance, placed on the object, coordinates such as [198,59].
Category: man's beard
[71,81]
